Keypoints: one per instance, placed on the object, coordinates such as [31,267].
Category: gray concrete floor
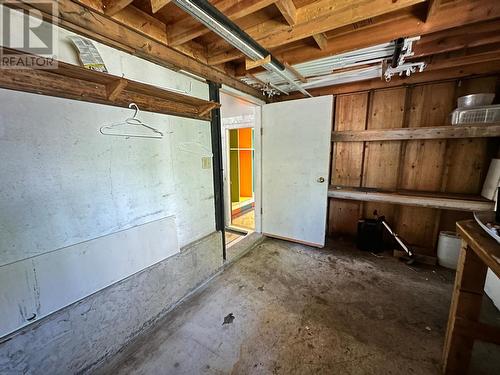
[300,310]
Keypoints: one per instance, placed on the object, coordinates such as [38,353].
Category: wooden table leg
[465,305]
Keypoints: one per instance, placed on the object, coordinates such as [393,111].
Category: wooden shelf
[454,202]
[78,83]
[437,132]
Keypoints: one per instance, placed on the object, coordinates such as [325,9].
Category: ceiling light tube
[216,21]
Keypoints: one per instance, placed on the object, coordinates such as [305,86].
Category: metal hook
[136,108]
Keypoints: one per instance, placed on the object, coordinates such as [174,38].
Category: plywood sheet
[347,162]
[424,160]
[381,159]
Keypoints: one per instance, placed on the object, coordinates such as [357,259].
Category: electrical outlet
[206,162]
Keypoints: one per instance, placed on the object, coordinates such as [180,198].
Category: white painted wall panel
[64,183]
[54,280]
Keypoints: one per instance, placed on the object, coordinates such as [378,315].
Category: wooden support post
[465,304]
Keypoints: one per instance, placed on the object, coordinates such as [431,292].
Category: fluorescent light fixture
[216,21]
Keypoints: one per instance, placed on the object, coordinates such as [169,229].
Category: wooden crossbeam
[156,5]
[451,14]
[296,73]
[468,36]
[188,28]
[321,41]
[288,11]
[93,24]
[112,7]
[250,64]
[315,18]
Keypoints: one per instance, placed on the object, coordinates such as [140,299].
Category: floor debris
[228,319]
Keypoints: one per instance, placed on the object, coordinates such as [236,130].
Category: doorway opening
[240,121]
[241,175]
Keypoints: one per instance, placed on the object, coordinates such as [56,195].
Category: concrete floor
[299,310]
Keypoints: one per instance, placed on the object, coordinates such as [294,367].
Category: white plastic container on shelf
[448,249]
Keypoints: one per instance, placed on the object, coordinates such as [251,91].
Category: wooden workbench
[479,251]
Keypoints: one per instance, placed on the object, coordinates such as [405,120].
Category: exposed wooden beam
[142,22]
[479,58]
[156,5]
[321,41]
[152,27]
[93,24]
[288,11]
[432,9]
[315,18]
[112,7]
[468,36]
[188,28]
[452,14]
[250,64]
[297,74]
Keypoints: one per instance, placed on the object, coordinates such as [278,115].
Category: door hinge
[261,131]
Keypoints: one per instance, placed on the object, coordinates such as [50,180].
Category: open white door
[295,163]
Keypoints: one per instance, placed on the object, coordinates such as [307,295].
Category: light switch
[206,162]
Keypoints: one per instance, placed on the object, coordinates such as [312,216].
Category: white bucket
[448,249]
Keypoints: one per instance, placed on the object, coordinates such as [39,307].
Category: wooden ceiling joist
[156,5]
[188,28]
[458,38]
[111,7]
[250,64]
[288,11]
[312,19]
[88,22]
[321,41]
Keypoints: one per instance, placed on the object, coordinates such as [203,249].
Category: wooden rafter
[88,22]
[299,76]
[112,7]
[250,64]
[442,36]
[315,18]
[468,36]
[454,14]
[188,28]
[156,5]
[321,41]
[288,11]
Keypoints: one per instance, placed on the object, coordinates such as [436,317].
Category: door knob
[320,179]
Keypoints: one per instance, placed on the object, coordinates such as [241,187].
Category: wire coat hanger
[134,121]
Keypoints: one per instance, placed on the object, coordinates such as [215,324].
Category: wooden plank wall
[457,166]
